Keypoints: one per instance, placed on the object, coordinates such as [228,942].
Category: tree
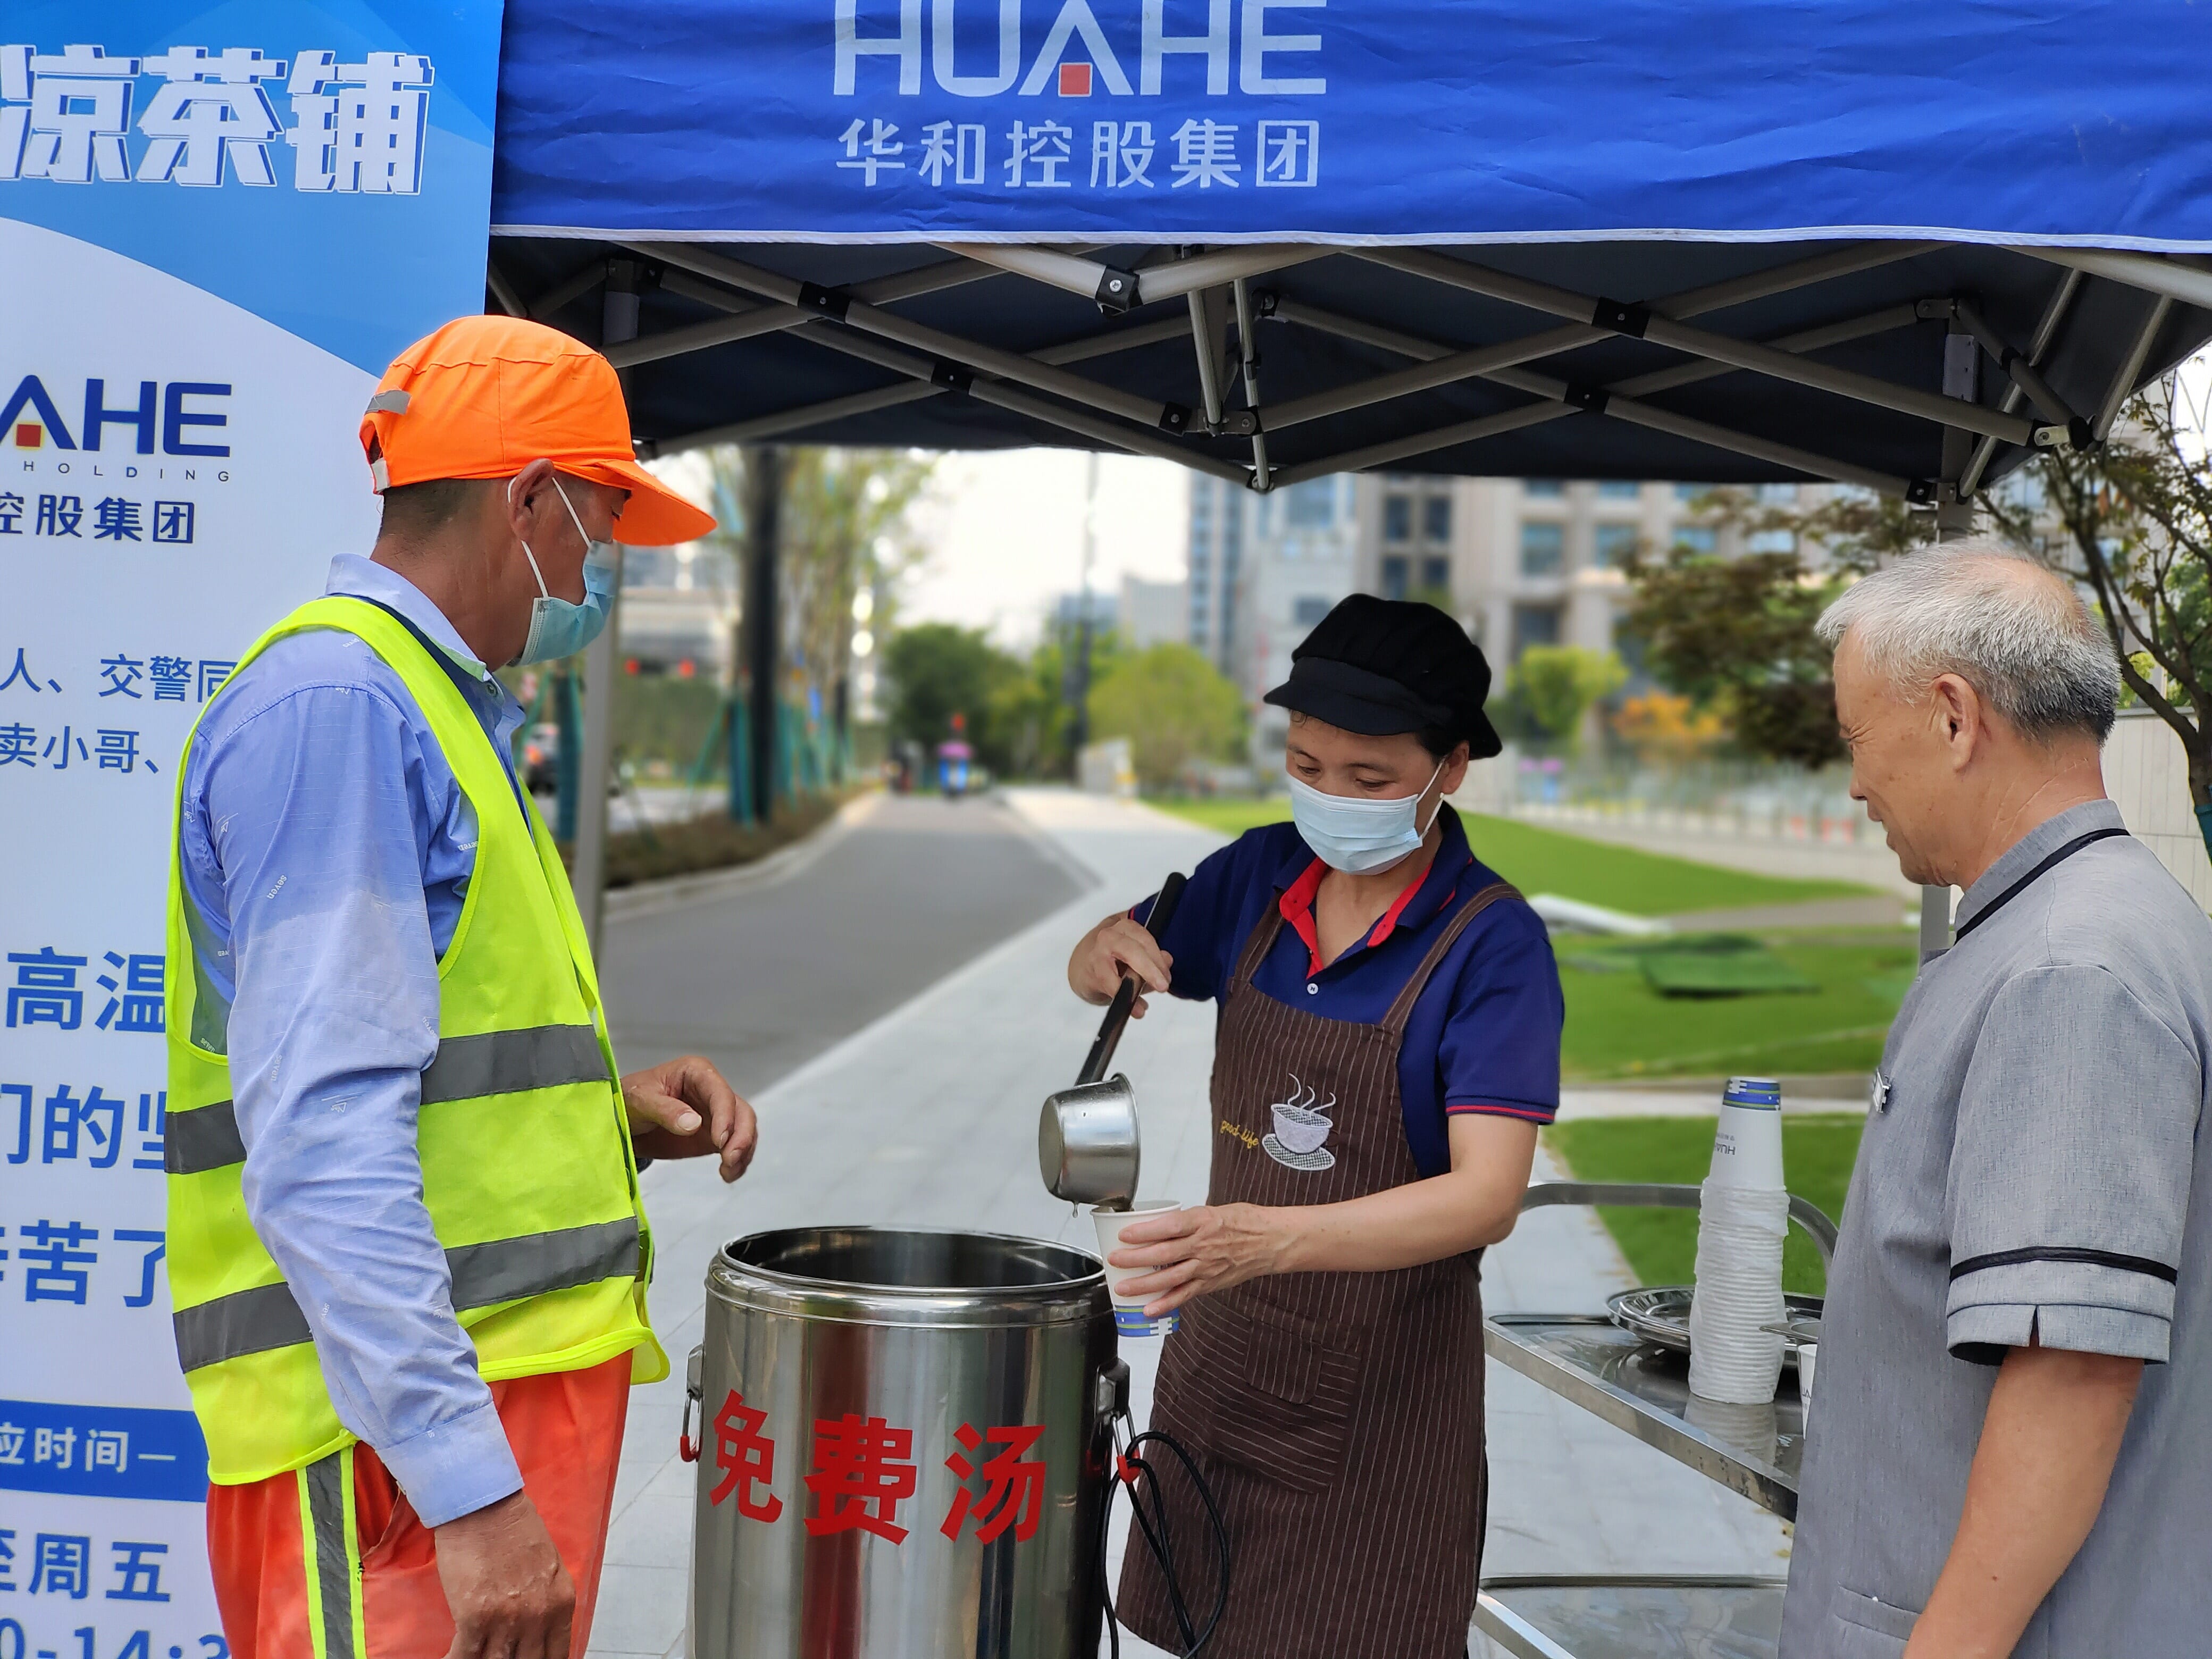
[1039,712]
[845,530]
[936,671]
[1737,634]
[2133,522]
[1556,684]
[1173,705]
[1660,725]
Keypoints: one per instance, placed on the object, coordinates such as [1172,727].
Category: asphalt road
[762,981]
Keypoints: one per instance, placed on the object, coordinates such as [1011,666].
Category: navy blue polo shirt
[1485,1032]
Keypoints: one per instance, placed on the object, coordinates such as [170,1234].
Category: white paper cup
[1748,1141]
[1129,1318]
[1809,1353]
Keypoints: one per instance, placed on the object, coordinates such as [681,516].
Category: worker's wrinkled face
[1906,758]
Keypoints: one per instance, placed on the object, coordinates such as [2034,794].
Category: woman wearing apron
[1387,1043]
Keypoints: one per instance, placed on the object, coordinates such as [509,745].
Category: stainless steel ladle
[1088,1150]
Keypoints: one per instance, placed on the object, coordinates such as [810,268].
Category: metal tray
[1659,1314]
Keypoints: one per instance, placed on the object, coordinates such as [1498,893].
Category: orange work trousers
[332,1560]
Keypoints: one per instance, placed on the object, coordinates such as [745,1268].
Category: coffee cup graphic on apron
[1301,1128]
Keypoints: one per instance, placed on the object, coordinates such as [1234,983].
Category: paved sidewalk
[928,1116]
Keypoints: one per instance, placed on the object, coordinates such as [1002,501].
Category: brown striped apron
[1336,1416]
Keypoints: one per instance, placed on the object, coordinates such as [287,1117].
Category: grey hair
[2015,631]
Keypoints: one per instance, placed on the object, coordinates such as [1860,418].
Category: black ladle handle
[1117,1011]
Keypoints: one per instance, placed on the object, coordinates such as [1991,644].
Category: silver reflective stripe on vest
[508,1062]
[504,1270]
[203,1138]
[495,1063]
[334,1565]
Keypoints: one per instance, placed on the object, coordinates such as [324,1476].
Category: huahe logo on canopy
[983,54]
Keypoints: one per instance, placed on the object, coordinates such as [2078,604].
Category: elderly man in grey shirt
[2011,1449]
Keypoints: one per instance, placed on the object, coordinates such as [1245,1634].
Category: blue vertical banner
[217,224]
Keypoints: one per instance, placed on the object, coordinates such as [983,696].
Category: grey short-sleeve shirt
[2032,1165]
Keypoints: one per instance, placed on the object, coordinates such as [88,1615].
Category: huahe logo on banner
[178,464]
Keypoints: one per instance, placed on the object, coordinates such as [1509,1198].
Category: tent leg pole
[1934,922]
[1962,380]
[618,315]
[763,515]
[1954,518]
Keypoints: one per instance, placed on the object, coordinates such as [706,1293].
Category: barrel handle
[1109,1393]
[686,1447]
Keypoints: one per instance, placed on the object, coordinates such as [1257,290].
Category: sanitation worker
[1387,1043]
[405,1237]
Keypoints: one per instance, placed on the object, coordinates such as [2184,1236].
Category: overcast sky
[1006,533]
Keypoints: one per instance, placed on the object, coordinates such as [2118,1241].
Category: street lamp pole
[763,536]
[1078,728]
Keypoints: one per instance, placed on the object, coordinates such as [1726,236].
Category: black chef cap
[1380,666]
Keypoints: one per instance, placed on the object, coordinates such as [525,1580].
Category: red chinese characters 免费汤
[1014,1494]
[863,1468]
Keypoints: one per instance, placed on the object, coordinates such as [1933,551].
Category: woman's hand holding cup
[1192,1252]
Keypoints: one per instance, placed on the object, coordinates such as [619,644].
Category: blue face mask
[1356,834]
[561,627]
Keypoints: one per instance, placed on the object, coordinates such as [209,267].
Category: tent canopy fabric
[1886,243]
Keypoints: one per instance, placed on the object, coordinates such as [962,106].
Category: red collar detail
[1297,902]
[1296,906]
[1389,922]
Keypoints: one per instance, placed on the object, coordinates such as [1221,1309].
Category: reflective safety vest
[528,1167]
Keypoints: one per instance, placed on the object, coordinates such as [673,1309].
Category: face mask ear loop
[1439,812]
[543,592]
[583,534]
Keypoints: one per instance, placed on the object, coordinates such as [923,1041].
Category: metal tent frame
[1188,418]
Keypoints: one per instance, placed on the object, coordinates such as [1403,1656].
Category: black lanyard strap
[2056,858]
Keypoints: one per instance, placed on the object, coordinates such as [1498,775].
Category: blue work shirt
[1484,1035]
[326,850]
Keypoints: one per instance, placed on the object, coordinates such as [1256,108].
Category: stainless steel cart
[1752,1450]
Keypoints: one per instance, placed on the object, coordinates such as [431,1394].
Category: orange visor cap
[484,397]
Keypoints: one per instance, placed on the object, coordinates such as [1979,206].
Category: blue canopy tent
[1272,239]
[1884,243]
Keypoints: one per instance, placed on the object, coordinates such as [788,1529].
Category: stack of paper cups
[1743,1215]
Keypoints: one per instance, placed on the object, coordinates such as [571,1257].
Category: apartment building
[1519,562]
[1524,562]
[1263,569]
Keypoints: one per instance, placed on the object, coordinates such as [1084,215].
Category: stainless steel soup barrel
[899,1440]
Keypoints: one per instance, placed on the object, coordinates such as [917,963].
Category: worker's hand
[511,1598]
[686,1109]
[1192,1252]
[1116,946]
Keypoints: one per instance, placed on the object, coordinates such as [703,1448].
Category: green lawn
[1230,816]
[1662,1245]
[1539,860]
[1619,1027]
